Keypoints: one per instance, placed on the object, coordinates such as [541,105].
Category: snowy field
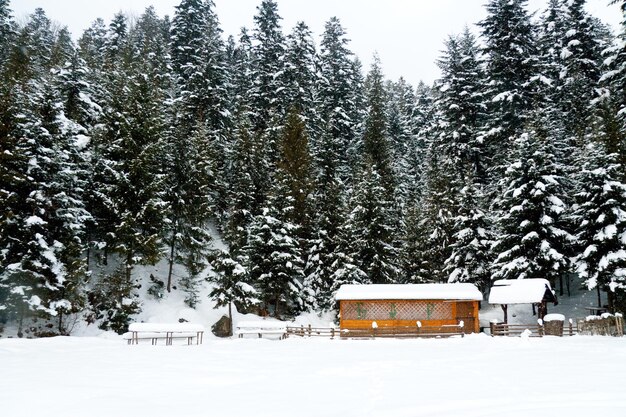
[474,376]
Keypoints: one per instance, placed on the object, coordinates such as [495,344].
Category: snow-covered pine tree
[267,103]
[7,33]
[127,182]
[510,50]
[199,63]
[239,58]
[43,214]
[242,185]
[231,284]
[461,109]
[329,210]
[613,101]
[470,260]
[337,93]
[430,222]
[376,144]
[600,214]
[580,67]
[370,228]
[275,260]
[531,241]
[301,77]
[295,169]
[400,113]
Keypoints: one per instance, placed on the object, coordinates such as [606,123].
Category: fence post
[309,330]
[571,330]
[332,332]
[540,330]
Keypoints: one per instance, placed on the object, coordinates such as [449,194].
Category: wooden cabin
[403,305]
[534,291]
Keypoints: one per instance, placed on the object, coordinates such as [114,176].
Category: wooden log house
[404,305]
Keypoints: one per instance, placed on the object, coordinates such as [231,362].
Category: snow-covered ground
[473,376]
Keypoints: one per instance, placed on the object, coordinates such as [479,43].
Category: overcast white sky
[407,34]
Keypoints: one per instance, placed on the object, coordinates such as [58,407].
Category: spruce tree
[231,284]
[337,93]
[267,72]
[275,258]
[370,228]
[301,77]
[532,242]
[510,50]
[462,109]
[470,260]
[601,219]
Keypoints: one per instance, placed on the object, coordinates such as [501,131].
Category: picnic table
[261,327]
[167,331]
[596,311]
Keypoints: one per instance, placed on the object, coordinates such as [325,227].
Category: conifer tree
[462,109]
[580,68]
[470,259]
[613,102]
[231,284]
[511,55]
[301,77]
[370,230]
[275,258]
[267,75]
[601,224]
[295,171]
[532,241]
[337,93]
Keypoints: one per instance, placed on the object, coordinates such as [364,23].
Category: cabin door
[466,311]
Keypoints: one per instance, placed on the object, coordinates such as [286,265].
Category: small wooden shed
[399,305]
[534,291]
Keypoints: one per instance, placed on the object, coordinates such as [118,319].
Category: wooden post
[504,309]
[309,330]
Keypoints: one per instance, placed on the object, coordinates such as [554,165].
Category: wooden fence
[605,325]
[374,332]
[602,326]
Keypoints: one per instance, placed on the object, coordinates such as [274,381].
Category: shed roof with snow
[456,291]
[521,291]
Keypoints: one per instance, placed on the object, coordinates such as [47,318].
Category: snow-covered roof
[518,291]
[459,291]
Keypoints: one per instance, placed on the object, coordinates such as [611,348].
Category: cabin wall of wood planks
[360,314]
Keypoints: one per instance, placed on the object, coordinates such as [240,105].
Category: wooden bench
[164,331]
[261,328]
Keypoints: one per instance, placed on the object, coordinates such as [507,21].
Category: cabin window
[396,310]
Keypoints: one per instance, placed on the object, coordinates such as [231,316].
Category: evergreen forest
[145,140]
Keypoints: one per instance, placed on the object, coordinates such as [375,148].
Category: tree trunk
[20,322]
[171,262]
[230,316]
[129,265]
[610,296]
